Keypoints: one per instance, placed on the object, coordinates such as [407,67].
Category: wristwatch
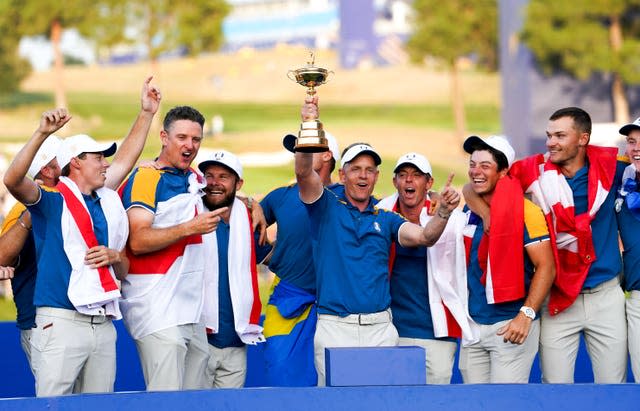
[528,311]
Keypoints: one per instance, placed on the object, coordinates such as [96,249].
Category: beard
[225,201]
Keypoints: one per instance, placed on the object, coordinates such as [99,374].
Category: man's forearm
[11,243]
[148,239]
[129,152]
[309,181]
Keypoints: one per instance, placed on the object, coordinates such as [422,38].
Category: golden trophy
[311,137]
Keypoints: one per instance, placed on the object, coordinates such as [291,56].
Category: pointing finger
[449,180]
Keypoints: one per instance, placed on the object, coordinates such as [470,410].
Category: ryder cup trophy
[311,137]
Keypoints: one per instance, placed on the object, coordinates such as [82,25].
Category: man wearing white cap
[17,246]
[80,232]
[575,185]
[291,313]
[628,213]
[232,304]
[351,239]
[412,282]
[506,285]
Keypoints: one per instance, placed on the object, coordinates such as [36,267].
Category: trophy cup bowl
[311,137]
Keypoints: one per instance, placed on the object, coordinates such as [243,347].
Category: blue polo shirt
[630,234]
[535,230]
[290,260]
[226,335]
[54,268]
[23,282]
[604,229]
[146,187]
[410,294]
[351,254]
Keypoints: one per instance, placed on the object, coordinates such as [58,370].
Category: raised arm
[132,146]
[15,178]
[309,181]
[412,235]
[143,238]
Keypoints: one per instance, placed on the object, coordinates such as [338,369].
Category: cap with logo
[81,143]
[225,158]
[627,128]
[417,160]
[47,152]
[499,143]
[357,149]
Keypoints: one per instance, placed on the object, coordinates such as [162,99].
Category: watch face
[529,312]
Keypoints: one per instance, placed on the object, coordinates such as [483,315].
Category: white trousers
[174,358]
[25,343]
[439,358]
[633,324]
[227,367]
[599,314]
[72,352]
[491,360]
[355,330]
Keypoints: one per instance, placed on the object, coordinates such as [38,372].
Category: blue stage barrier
[524,397]
[19,381]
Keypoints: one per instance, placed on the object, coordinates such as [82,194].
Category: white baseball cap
[626,129]
[357,149]
[289,142]
[225,158]
[81,143]
[47,152]
[499,143]
[415,159]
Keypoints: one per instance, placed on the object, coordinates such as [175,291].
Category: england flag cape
[446,277]
[91,290]
[243,278]
[570,233]
[165,288]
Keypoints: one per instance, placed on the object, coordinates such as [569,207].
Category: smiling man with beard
[232,304]
[163,293]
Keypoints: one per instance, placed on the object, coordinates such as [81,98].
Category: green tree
[583,37]
[451,30]
[99,20]
[12,67]
[164,25]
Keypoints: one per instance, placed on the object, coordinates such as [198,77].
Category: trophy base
[311,145]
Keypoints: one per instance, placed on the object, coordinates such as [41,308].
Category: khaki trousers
[633,324]
[439,358]
[72,352]
[355,330]
[227,367]
[491,360]
[599,314]
[174,358]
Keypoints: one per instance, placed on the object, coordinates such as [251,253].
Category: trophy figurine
[311,137]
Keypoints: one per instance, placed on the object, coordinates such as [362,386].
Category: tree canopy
[453,29]
[583,37]
[12,67]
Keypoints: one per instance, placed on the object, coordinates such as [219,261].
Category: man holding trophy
[351,239]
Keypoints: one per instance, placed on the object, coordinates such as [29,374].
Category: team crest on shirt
[376,226]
